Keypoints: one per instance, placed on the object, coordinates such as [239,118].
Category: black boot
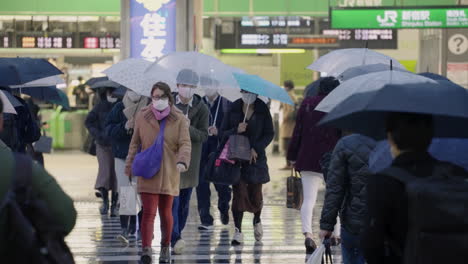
[105,201]
[115,204]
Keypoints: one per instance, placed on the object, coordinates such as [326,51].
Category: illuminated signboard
[153,28]
[5,41]
[41,41]
[92,41]
[390,17]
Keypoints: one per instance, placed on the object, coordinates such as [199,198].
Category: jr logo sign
[389,19]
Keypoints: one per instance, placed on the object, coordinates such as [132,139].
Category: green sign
[388,17]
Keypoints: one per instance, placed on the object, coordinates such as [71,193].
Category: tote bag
[294,193]
[128,199]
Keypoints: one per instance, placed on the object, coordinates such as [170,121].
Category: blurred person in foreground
[308,146]
[162,130]
[289,120]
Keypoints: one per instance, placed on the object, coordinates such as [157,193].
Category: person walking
[162,128]
[308,145]
[393,233]
[249,117]
[346,194]
[106,179]
[289,120]
[197,115]
[119,128]
[218,106]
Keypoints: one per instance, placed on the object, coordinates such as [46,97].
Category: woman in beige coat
[160,189]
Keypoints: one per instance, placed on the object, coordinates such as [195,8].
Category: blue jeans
[180,212]
[350,250]
[204,200]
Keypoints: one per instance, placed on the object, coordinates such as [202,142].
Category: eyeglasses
[162,97]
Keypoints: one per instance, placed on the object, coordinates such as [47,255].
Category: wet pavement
[93,239]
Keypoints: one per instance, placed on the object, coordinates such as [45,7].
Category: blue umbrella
[262,87]
[313,88]
[63,100]
[94,80]
[366,113]
[45,93]
[434,76]
[445,149]
[17,71]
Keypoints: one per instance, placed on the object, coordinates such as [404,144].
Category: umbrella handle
[246,113]
[217,110]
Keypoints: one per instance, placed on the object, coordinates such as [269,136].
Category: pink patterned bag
[224,153]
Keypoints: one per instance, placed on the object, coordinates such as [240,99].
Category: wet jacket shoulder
[115,130]
[44,187]
[346,183]
[96,121]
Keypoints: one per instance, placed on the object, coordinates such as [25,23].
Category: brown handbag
[294,195]
[239,148]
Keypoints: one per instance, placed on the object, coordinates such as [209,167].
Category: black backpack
[437,215]
[32,235]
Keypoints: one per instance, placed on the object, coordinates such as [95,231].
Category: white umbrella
[44,82]
[337,61]
[365,69]
[130,73]
[366,83]
[7,106]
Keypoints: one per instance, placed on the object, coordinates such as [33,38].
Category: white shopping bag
[317,256]
[129,200]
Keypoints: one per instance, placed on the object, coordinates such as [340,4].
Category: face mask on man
[249,98]
[111,99]
[160,104]
[186,92]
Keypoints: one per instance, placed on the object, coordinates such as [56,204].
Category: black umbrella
[118,89]
[94,80]
[313,88]
[366,113]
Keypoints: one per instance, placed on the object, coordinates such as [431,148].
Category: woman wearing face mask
[95,123]
[250,117]
[161,120]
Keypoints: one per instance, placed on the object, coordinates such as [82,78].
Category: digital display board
[395,18]
[41,40]
[5,40]
[99,41]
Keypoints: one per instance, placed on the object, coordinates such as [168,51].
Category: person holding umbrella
[161,132]
[250,117]
[197,116]
[95,123]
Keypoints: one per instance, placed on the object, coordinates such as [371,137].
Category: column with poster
[457,56]
[152,28]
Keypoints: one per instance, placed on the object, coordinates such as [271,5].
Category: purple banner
[153,28]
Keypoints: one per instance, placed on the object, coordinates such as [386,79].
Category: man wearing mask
[197,116]
[218,106]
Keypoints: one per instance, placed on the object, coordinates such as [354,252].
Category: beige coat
[177,148]
[288,124]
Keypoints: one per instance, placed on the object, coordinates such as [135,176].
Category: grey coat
[346,184]
[198,115]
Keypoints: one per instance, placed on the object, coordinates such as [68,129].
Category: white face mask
[111,99]
[249,98]
[160,104]
[211,92]
[134,97]
[186,92]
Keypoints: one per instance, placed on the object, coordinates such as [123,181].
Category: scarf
[160,115]
[131,110]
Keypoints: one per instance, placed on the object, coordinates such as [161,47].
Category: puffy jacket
[96,121]
[115,130]
[346,184]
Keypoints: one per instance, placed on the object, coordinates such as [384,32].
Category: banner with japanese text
[153,28]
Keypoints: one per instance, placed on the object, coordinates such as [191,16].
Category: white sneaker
[258,231]
[238,238]
[179,247]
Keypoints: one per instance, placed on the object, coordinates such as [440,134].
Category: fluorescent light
[261,51]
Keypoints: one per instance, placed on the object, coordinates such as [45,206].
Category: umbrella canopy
[63,101]
[365,69]
[7,105]
[17,71]
[366,83]
[106,84]
[336,62]
[44,82]
[366,113]
[94,80]
[262,87]
[45,93]
[434,76]
[313,88]
[130,73]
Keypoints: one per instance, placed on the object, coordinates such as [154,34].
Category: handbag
[256,173]
[148,162]
[128,200]
[44,144]
[222,172]
[239,148]
[322,255]
[294,192]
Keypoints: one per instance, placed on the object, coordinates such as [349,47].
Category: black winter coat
[96,121]
[115,130]
[259,130]
[346,184]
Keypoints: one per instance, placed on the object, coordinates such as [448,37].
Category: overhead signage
[396,18]
[153,28]
[44,40]
[5,41]
[100,41]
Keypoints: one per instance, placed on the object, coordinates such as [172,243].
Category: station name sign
[399,18]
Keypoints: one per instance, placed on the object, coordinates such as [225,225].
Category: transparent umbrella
[129,73]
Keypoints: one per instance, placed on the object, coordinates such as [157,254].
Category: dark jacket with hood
[115,130]
[259,129]
[346,184]
[198,114]
[96,120]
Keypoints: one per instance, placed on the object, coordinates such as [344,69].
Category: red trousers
[151,202]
